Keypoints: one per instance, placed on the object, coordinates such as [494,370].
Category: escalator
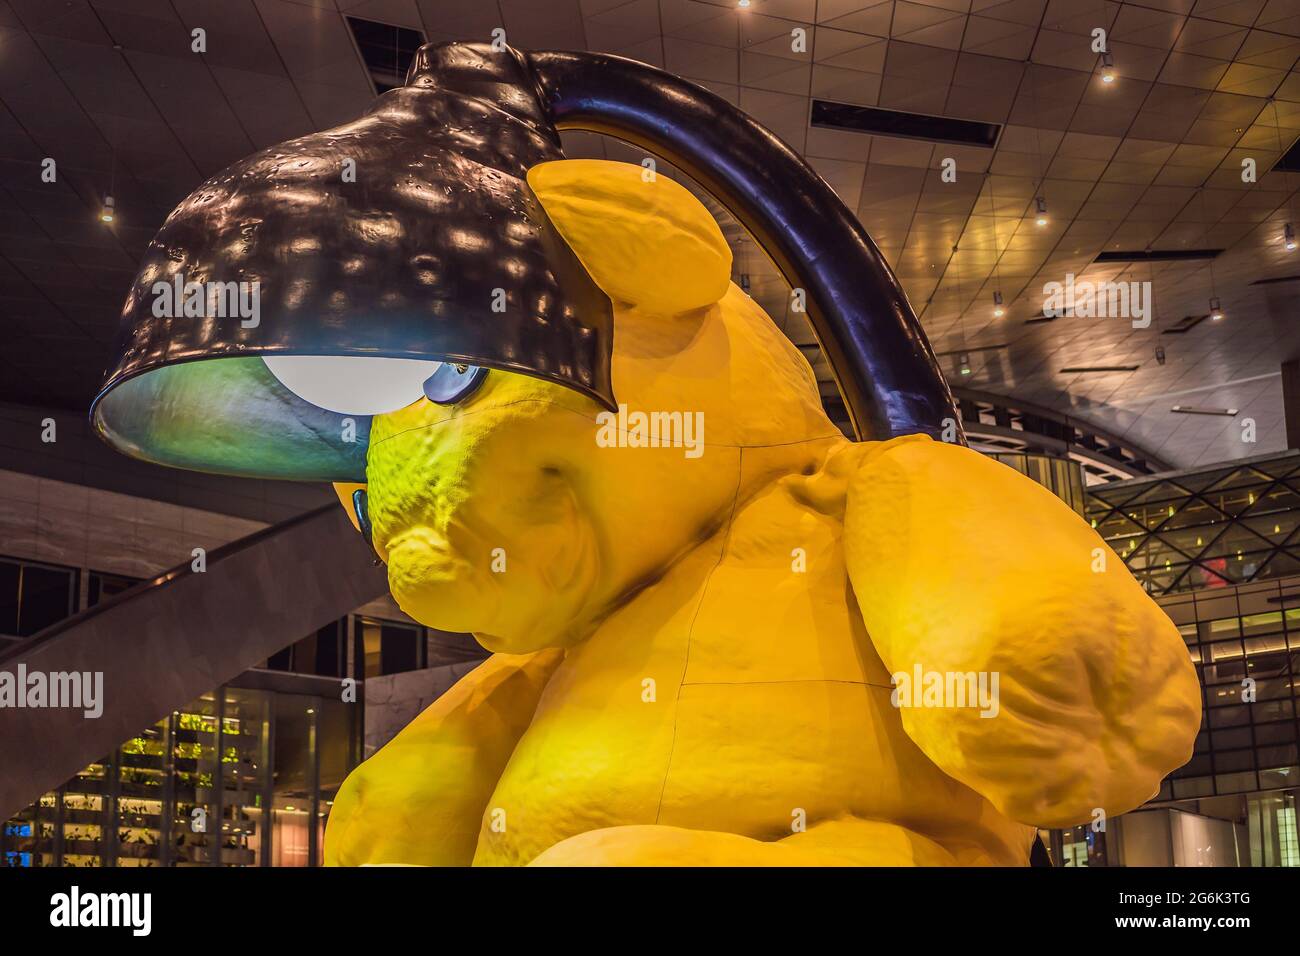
[169,640]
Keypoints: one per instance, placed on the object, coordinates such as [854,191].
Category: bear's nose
[361,508]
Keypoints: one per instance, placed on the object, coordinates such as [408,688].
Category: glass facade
[231,780]
[1245,642]
[1206,529]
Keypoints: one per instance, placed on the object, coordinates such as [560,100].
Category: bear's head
[523,512]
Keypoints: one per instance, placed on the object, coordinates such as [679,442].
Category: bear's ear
[645,239]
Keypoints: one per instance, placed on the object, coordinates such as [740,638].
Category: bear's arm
[419,800]
[961,564]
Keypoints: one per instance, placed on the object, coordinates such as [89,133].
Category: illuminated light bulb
[964,361]
[1288,234]
[108,212]
[742,3]
[1107,68]
[998,311]
[1216,309]
[1040,205]
[352,384]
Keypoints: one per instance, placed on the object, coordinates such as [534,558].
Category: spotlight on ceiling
[1040,206]
[1216,309]
[1107,68]
[998,311]
[106,214]
[1288,235]
[963,362]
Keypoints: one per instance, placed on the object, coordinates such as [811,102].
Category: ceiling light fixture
[1107,68]
[1216,309]
[964,362]
[1194,410]
[998,311]
[1040,204]
[1288,234]
[106,214]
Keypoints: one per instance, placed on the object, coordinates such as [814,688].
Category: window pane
[400,649]
[8,598]
[45,598]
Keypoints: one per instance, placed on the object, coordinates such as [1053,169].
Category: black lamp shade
[409,233]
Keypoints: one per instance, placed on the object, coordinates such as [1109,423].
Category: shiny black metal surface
[882,361]
[453,383]
[408,233]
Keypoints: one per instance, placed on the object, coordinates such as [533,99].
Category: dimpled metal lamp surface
[411,260]
[409,233]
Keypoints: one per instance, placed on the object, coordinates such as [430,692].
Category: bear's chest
[745,699]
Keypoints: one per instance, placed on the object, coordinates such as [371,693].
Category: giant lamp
[322,281]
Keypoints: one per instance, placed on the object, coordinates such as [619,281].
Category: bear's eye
[451,383]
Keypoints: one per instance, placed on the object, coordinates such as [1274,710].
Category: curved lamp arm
[880,357]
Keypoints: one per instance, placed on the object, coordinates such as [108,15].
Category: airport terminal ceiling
[1147,165]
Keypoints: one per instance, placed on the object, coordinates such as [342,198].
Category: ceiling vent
[1276,280]
[1185,324]
[868,119]
[1156,255]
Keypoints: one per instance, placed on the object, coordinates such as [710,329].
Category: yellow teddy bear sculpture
[721,632]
